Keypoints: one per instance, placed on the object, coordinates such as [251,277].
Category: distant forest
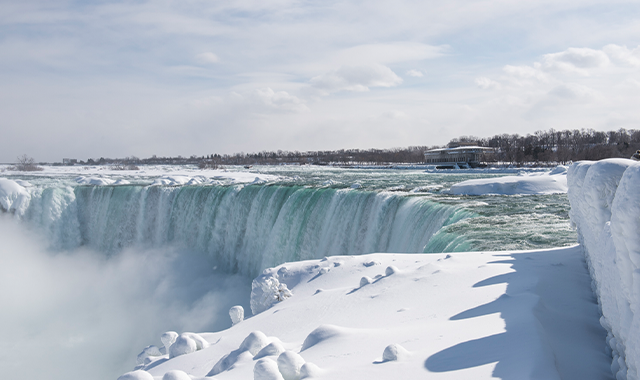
[541,148]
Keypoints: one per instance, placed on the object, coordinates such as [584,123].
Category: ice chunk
[271,349]
[13,197]
[148,351]
[237,314]
[136,375]
[254,342]
[289,365]
[176,375]
[266,369]
[394,352]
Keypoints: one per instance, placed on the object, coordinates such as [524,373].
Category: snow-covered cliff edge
[605,207]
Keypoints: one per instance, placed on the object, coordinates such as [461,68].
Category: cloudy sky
[97,79]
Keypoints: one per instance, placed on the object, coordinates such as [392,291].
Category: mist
[83,315]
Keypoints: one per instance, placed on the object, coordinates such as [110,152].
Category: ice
[237,314]
[147,352]
[95,181]
[136,375]
[290,364]
[605,204]
[266,369]
[553,182]
[168,338]
[13,197]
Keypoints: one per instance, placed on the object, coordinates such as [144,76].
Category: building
[69,161]
[457,157]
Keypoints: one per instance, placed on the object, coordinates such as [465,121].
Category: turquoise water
[309,212]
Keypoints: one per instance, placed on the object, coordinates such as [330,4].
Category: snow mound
[290,364]
[366,280]
[168,338]
[255,342]
[390,270]
[147,352]
[13,197]
[136,375]
[271,349]
[237,314]
[321,334]
[605,207]
[187,343]
[554,182]
[309,370]
[394,352]
[266,369]
[176,375]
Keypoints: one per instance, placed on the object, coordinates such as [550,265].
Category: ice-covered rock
[136,375]
[176,375]
[237,314]
[266,369]
[289,365]
[254,342]
[605,207]
[271,349]
[394,352]
[267,291]
[391,269]
[554,182]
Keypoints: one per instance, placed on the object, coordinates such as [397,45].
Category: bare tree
[26,164]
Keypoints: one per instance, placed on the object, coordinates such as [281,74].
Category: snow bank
[474,315]
[605,207]
[553,182]
[13,197]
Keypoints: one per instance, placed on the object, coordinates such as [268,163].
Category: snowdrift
[474,315]
[554,182]
[605,207]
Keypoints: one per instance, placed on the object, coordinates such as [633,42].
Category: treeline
[558,146]
[539,148]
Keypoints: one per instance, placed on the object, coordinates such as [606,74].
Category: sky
[90,79]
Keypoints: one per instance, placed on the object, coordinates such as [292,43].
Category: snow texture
[176,375]
[605,207]
[553,182]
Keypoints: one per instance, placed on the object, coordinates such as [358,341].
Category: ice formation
[266,369]
[605,207]
[255,342]
[13,197]
[290,364]
[394,352]
[237,314]
[136,375]
[266,291]
[176,375]
[552,182]
[187,343]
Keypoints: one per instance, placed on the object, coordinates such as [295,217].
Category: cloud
[387,53]
[573,91]
[525,74]
[487,84]
[281,100]
[207,58]
[623,55]
[415,73]
[575,60]
[356,78]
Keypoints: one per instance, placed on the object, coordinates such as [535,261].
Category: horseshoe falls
[242,228]
[96,263]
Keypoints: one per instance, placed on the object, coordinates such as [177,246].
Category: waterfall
[244,228]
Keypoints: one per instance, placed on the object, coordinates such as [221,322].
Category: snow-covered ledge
[605,208]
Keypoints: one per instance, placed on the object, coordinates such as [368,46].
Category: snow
[473,315]
[553,182]
[605,204]
[13,197]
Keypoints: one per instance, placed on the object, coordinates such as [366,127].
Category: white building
[458,157]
